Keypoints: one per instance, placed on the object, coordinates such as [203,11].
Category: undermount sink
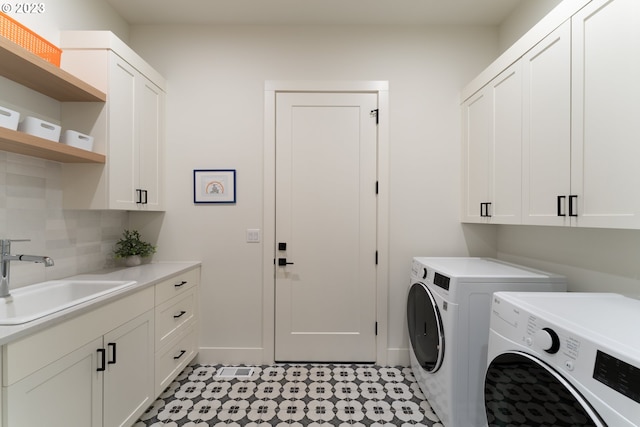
[39,300]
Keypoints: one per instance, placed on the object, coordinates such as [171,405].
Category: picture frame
[214,186]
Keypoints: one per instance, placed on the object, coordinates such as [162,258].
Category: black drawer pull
[182,352]
[179,315]
[178,285]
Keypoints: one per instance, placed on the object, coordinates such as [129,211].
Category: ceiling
[456,12]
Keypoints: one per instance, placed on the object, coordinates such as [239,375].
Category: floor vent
[235,372]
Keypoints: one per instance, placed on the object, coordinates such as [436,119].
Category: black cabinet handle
[112,346]
[573,212]
[102,365]
[138,195]
[178,285]
[145,197]
[182,352]
[561,200]
[484,210]
[179,315]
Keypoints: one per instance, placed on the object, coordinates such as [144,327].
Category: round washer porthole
[425,328]
[520,390]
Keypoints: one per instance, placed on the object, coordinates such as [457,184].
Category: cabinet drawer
[174,316]
[171,361]
[176,285]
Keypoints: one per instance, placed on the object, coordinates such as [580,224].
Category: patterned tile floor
[293,395]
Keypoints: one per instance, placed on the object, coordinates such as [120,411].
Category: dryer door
[520,390]
[425,327]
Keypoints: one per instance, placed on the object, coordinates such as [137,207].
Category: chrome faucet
[6,258]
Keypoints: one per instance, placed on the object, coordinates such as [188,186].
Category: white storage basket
[9,119]
[77,139]
[40,128]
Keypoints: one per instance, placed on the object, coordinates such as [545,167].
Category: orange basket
[21,35]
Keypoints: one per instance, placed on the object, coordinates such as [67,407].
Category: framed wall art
[214,186]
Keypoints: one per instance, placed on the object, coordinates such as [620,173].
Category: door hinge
[377,187]
[376,257]
[376,328]
[375,113]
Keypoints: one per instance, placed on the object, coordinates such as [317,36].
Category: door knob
[283,261]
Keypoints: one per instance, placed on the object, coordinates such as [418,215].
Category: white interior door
[326,167]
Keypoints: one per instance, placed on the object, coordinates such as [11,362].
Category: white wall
[525,16]
[30,188]
[215,104]
[592,259]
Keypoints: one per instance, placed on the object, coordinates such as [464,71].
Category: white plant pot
[132,261]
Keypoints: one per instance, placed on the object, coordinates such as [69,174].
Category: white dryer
[569,359]
[448,310]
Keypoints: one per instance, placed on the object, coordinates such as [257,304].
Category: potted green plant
[132,249]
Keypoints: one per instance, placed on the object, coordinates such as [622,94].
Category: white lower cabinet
[67,393]
[128,378]
[105,367]
[93,370]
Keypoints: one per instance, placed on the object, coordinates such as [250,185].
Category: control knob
[547,340]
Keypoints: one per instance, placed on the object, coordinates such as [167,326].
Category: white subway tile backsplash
[31,208]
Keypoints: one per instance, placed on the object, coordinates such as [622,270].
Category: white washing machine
[448,309]
[569,359]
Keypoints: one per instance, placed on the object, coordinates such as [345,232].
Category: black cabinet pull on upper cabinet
[572,211]
[561,200]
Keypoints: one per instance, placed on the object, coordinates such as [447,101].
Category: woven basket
[21,35]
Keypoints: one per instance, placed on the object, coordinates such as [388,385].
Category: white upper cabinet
[492,151]
[605,150]
[547,129]
[476,149]
[129,128]
[580,126]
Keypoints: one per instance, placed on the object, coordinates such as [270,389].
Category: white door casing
[326,215]
[272,88]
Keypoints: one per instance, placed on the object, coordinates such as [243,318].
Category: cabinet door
[606,116]
[129,378]
[547,130]
[123,154]
[66,393]
[151,140]
[506,173]
[476,157]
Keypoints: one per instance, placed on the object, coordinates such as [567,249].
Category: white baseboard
[230,356]
[398,357]
[255,356]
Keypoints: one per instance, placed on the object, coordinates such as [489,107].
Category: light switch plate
[253,235]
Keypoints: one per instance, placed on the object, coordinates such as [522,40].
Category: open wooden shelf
[23,143]
[28,69]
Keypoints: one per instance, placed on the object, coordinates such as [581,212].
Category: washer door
[425,327]
[520,390]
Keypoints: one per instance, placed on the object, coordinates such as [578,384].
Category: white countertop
[145,275]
